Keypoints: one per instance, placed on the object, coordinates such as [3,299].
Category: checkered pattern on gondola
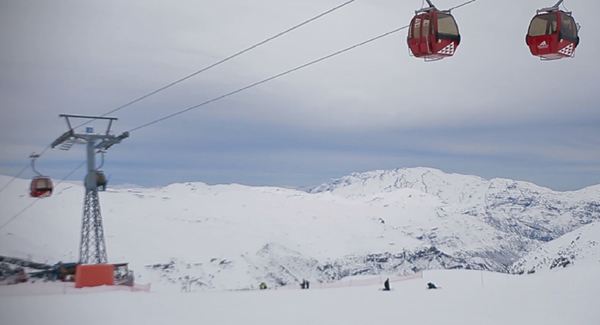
[448,50]
[568,50]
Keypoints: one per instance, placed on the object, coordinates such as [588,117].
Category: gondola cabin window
[568,28]
[447,25]
[544,25]
[415,28]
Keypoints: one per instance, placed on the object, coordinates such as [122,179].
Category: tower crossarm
[106,140]
[64,137]
[109,141]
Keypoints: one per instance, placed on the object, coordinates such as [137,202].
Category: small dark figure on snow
[386,285]
[431,285]
[304,284]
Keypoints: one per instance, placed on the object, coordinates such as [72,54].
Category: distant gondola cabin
[433,35]
[101,180]
[41,186]
[553,35]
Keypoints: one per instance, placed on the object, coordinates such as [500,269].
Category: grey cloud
[492,110]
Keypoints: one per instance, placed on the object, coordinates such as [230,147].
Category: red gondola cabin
[41,186]
[433,35]
[553,35]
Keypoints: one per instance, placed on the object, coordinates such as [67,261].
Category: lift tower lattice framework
[92,249]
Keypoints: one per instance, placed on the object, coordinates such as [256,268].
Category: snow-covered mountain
[515,207]
[581,246]
[234,236]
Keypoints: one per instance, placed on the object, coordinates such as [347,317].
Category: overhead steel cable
[227,58]
[283,73]
[242,89]
[201,71]
[36,201]
[13,179]
[271,78]
[461,5]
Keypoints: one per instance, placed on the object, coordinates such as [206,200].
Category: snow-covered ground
[216,239]
[581,246]
[234,236]
[558,297]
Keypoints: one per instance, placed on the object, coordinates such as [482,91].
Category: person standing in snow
[386,285]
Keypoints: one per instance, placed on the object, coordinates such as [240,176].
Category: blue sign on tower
[89,129]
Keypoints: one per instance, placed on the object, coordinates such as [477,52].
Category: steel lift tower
[92,249]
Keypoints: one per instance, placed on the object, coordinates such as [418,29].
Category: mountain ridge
[226,236]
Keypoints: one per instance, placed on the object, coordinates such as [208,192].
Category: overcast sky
[492,110]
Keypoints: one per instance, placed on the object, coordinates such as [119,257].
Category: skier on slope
[386,285]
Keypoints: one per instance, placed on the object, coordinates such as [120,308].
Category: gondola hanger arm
[553,8]
[102,152]
[430,8]
[33,157]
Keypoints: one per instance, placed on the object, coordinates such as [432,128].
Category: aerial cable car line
[251,86]
[461,5]
[268,79]
[36,201]
[451,8]
[17,176]
[199,72]
[227,58]
[278,75]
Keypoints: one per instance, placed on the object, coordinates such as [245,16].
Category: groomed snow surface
[233,236]
[561,296]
